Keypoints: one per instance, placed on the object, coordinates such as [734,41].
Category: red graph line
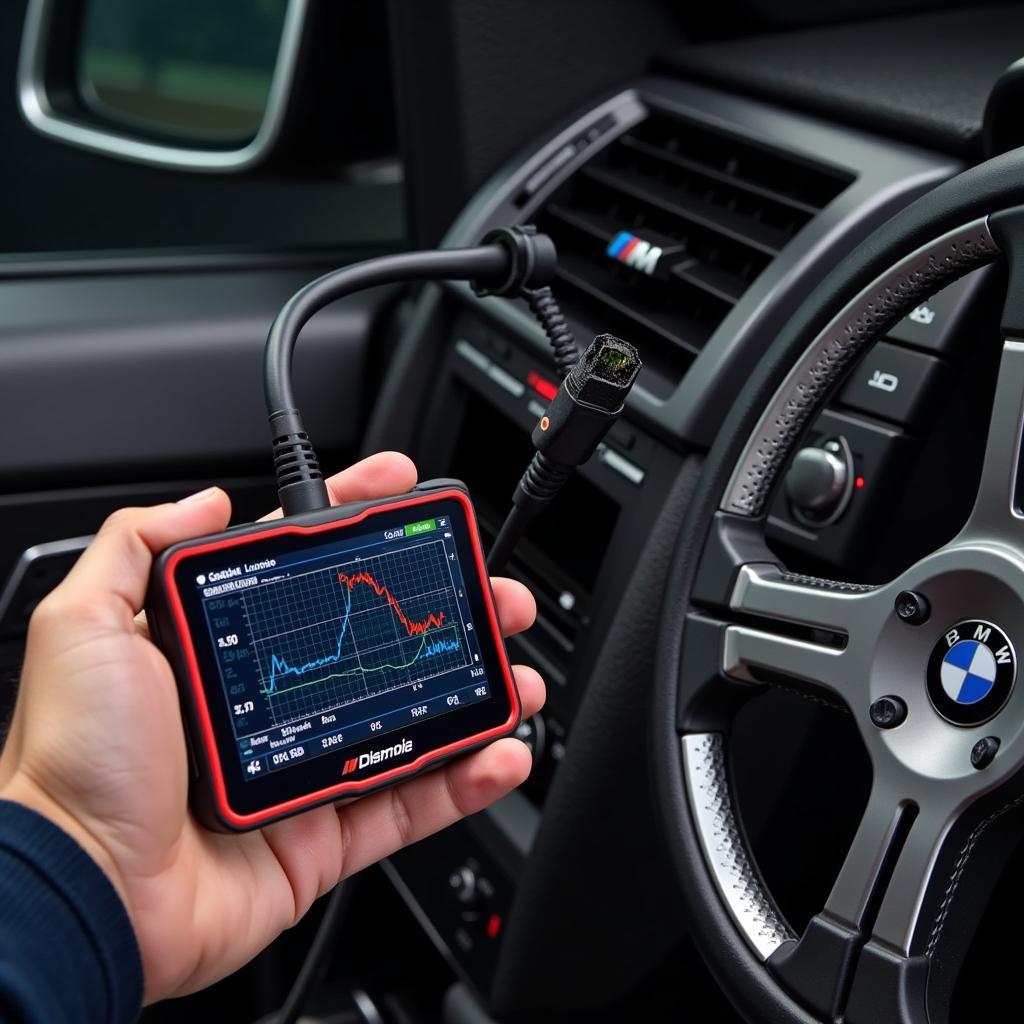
[411,627]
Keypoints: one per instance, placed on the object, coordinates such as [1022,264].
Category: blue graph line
[278,666]
[440,647]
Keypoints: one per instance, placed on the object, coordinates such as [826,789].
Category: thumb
[111,577]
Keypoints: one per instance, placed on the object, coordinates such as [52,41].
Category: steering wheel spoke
[996,511]
[800,628]
[909,894]
[818,966]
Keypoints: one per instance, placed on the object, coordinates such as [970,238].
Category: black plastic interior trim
[163,261]
[129,377]
[923,77]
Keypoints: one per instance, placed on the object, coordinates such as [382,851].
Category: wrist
[22,790]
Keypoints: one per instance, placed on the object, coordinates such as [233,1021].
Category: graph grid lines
[373,624]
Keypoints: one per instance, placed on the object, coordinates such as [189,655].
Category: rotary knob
[820,481]
[463,884]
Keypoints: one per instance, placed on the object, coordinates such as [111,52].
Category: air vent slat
[695,214]
[600,229]
[739,229]
[724,177]
[672,329]
[791,175]
[724,286]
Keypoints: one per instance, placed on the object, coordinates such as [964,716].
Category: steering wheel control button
[816,479]
[819,482]
[971,672]
[893,383]
[888,712]
[912,607]
[882,458]
[984,751]
[933,323]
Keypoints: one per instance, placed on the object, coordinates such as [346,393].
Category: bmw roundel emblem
[971,672]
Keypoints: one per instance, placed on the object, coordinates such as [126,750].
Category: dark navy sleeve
[67,949]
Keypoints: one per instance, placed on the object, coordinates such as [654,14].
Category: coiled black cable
[545,308]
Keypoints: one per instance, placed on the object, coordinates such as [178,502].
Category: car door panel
[125,378]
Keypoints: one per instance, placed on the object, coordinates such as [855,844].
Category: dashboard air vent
[663,231]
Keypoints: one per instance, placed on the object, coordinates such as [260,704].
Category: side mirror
[189,85]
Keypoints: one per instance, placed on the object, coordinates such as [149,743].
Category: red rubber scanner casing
[171,631]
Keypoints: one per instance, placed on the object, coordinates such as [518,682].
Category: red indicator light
[859,482]
[544,387]
[493,926]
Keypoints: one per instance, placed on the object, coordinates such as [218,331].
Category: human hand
[97,746]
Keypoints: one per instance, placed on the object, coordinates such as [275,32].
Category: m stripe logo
[634,252]
[350,766]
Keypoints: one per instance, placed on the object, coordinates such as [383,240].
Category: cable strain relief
[541,482]
[284,422]
[532,258]
[303,496]
[300,481]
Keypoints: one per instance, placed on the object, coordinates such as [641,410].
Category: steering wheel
[942,640]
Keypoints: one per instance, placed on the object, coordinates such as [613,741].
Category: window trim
[44,116]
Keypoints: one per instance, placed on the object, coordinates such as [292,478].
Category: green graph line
[360,671]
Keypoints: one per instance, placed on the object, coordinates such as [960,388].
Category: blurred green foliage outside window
[193,69]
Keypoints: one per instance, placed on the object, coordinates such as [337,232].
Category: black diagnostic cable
[590,399]
[314,967]
[511,261]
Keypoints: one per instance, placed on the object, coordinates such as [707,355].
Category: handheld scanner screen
[328,654]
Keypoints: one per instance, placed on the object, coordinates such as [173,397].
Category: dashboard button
[893,383]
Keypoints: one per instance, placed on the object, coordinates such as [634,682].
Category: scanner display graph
[366,626]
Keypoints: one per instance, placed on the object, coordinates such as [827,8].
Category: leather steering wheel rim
[964,223]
